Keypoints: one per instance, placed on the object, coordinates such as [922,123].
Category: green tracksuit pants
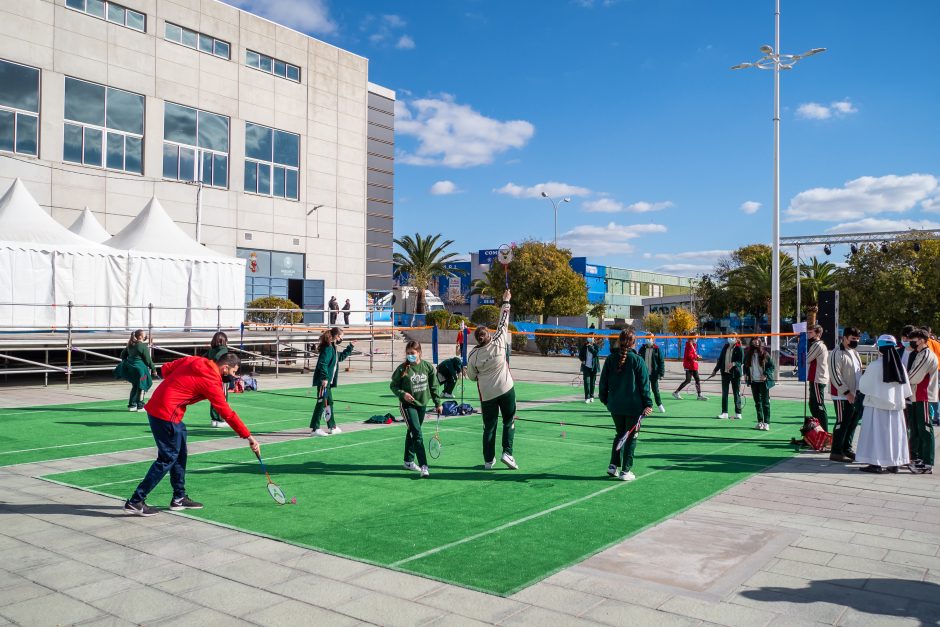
[733,382]
[654,386]
[324,400]
[213,414]
[921,432]
[589,377]
[761,396]
[844,430]
[817,404]
[504,404]
[624,457]
[414,438]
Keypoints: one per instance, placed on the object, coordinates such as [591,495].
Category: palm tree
[423,261]
[816,277]
[492,284]
[753,281]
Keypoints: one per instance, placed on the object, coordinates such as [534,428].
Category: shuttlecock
[293,500]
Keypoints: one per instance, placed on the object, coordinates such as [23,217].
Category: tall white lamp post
[555,207]
[774,60]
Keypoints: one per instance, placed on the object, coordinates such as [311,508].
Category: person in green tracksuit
[759,373]
[587,354]
[625,391]
[217,347]
[414,382]
[731,366]
[136,368]
[448,373]
[656,365]
[325,378]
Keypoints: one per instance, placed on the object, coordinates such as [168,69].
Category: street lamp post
[774,60]
[555,207]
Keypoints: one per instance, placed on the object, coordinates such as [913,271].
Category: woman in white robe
[882,443]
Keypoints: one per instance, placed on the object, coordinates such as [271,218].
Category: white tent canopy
[39,262]
[87,226]
[162,260]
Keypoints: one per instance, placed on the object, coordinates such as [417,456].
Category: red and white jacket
[922,372]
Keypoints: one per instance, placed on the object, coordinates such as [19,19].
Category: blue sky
[629,108]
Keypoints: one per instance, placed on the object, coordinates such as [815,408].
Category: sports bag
[816,437]
[449,408]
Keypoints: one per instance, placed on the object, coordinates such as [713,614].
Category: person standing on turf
[185,381]
[845,371]
[587,354]
[882,443]
[136,368]
[759,373]
[731,366]
[656,366]
[326,377]
[488,366]
[414,382]
[922,370]
[217,347]
[625,391]
[690,361]
[817,364]
[448,373]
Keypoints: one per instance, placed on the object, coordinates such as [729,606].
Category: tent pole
[277,342]
[68,352]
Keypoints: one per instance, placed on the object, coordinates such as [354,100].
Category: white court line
[544,512]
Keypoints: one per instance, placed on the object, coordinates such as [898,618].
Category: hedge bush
[445,320]
[273,317]
[554,344]
[519,342]
[486,315]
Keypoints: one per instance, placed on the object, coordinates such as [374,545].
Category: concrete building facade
[106,104]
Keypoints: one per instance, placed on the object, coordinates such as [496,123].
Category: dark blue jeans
[171,458]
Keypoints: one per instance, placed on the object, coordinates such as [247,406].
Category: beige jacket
[818,356]
[487,364]
[845,369]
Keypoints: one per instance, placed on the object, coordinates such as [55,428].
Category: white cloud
[444,188]
[750,206]
[816,111]
[932,204]
[685,269]
[690,254]
[874,225]
[455,135]
[612,239]
[864,196]
[609,205]
[405,43]
[309,16]
[552,188]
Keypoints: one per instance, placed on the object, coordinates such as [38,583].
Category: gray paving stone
[784,602]
[8,579]
[254,572]
[291,613]
[49,609]
[843,548]
[612,612]
[271,550]
[913,559]
[64,574]
[574,602]
[402,585]
[897,544]
[866,528]
[233,598]
[204,617]
[719,613]
[814,572]
[878,568]
[25,557]
[144,605]
[471,604]
[855,618]
[383,609]
[102,588]
[329,566]
[22,592]
[810,556]
[107,621]
[317,590]
[452,620]
[916,590]
[189,579]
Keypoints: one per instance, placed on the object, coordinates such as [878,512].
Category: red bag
[816,437]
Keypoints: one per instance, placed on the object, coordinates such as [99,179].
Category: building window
[195,145]
[272,161]
[197,41]
[656,290]
[111,12]
[104,127]
[272,66]
[19,108]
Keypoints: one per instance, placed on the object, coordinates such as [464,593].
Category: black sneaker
[184,503]
[139,509]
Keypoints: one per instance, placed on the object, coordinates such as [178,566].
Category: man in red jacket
[186,381]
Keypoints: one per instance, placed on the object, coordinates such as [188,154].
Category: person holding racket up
[487,366]
[414,382]
[185,381]
[325,377]
[625,391]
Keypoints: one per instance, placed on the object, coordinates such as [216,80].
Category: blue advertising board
[486,257]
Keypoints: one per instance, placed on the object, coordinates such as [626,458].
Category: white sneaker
[509,461]
[677,396]
[411,466]
[591,400]
[586,401]
[702,397]
[335,430]
[737,416]
[722,416]
[612,470]
[627,476]
[320,432]
[446,395]
[424,472]
[662,409]
[766,426]
[759,426]
[488,465]
[217,423]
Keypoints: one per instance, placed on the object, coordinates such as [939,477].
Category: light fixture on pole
[555,207]
[774,60]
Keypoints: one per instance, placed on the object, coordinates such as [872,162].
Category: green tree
[750,284]
[493,283]
[423,260]
[543,283]
[654,322]
[682,321]
[816,276]
[598,311]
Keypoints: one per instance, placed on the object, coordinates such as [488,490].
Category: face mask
[853,344]
[227,378]
[731,341]
[913,346]
[411,358]
[755,346]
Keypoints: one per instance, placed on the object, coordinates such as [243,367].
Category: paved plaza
[806,541]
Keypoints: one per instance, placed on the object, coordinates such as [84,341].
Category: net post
[150,320]
[277,342]
[434,344]
[218,317]
[371,336]
[68,356]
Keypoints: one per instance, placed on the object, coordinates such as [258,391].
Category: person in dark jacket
[759,373]
[448,373]
[656,365]
[217,347]
[625,391]
[346,309]
[326,377]
[590,365]
[136,368]
[731,366]
[334,309]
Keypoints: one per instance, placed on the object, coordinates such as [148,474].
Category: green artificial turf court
[43,433]
[496,531]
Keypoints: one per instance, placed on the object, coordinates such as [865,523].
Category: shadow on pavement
[74,509]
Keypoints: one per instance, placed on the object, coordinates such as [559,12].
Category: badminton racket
[504,256]
[434,444]
[621,443]
[273,489]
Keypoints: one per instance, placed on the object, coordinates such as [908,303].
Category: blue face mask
[411,358]
[731,341]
